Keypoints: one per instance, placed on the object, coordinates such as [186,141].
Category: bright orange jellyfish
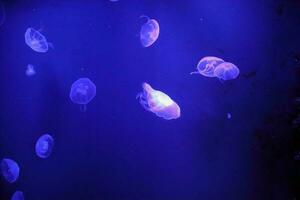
[226,71]
[149,32]
[158,102]
[206,66]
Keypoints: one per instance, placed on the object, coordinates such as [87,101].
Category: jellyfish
[149,32]
[158,102]
[18,195]
[44,146]
[36,41]
[10,170]
[206,66]
[229,115]
[82,92]
[30,70]
[226,71]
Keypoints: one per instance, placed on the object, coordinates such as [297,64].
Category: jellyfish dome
[36,41]
[18,195]
[82,91]
[226,71]
[149,32]
[44,146]
[30,70]
[158,102]
[10,170]
[206,66]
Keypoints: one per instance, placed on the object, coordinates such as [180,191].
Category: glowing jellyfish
[36,41]
[149,32]
[229,115]
[44,146]
[158,102]
[82,92]
[10,170]
[226,71]
[30,70]
[18,195]
[206,66]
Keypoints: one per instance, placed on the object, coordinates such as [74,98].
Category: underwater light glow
[10,170]
[18,195]
[158,102]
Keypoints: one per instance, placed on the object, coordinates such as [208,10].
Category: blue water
[116,150]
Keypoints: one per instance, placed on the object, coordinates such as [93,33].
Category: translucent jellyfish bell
[226,71]
[149,32]
[206,66]
[82,92]
[10,170]
[30,70]
[44,146]
[36,41]
[158,102]
[18,195]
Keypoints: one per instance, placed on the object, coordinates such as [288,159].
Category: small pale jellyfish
[30,70]
[229,115]
[158,102]
[149,32]
[44,146]
[36,41]
[18,195]
[226,71]
[10,170]
[82,92]
[206,66]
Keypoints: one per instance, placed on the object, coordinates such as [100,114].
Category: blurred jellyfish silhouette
[36,41]
[226,71]
[206,66]
[113,0]
[2,13]
[44,146]
[30,70]
[149,32]
[82,92]
[10,170]
[18,195]
[158,102]
[229,115]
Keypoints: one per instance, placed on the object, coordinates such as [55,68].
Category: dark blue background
[118,151]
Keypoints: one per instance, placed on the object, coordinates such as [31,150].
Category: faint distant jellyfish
[158,102]
[229,116]
[149,32]
[82,92]
[18,195]
[36,41]
[206,66]
[30,70]
[44,146]
[226,71]
[10,170]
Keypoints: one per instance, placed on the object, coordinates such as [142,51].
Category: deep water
[116,150]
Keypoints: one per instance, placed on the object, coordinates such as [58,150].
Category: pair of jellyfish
[82,92]
[10,170]
[30,70]
[211,66]
[37,41]
[149,32]
[18,195]
[44,146]
[158,103]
